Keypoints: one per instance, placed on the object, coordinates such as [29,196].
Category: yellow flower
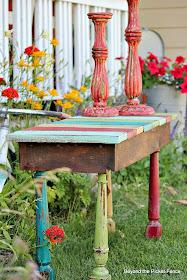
[78,99]
[54,42]
[37,106]
[24,84]
[58,103]
[53,92]
[70,95]
[33,88]
[38,54]
[41,94]
[21,63]
[29,101]
[75,91]
[36,62]
[67,105]
[40,78]
[83,88]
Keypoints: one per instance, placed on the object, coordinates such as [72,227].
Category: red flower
[185,78]
[2,82]
[179,59]
[142,62]
[10,93]
[30,50]
[177,72]
[153,68]
[183,87]
[119,58]
[161,72]
[166,58]
[54,234]
[152,57]
[164,63]
[184,67]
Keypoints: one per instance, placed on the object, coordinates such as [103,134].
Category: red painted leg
[154,228]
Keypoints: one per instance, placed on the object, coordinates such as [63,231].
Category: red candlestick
[99,86]
[133,76]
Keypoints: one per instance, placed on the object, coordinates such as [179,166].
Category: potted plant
[165,85]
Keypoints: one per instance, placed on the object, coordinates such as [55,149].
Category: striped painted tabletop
[112,130]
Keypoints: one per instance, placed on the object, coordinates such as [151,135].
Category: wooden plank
[57,137]
[130,132]
[146,126]
[92,158]
[142,145]
[85,158]
[138,129]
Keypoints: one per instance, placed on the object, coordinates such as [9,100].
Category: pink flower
[153,68]
[164,63]
[179,59]
[161,72]
[183,87]
[177,72]
[152,57]
[184,67]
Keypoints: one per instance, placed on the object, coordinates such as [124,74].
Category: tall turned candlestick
[99,86]
[133,76]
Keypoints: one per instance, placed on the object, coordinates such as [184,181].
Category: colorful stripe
[79,129]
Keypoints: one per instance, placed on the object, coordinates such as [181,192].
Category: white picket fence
[73,29]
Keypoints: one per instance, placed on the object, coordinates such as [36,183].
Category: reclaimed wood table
[93,145]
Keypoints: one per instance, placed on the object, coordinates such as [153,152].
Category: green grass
[129,248]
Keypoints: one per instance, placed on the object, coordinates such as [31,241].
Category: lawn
[129,248]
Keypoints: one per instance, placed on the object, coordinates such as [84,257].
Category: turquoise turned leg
[43,254]
[101,232]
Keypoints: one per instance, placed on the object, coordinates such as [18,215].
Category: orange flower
[38,54]
[70,95]
[40,78]
[67,105]
[24,84]
[58,103]
[33,88]
[53,92]
[83,88]
[78,99]
[54,42]
[29,101]
[41,94]
[21,63]
[36,63]
[37,106]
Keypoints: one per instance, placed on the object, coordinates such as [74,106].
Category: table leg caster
[154,228]
[47,272]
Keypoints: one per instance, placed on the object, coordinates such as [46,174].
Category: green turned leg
[101,232]
[43,254]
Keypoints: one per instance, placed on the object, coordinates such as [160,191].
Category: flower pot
[166,99]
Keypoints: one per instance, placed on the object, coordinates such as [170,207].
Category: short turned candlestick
[100,86]
[133,76]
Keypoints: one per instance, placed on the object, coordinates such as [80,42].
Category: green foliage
[71,193]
